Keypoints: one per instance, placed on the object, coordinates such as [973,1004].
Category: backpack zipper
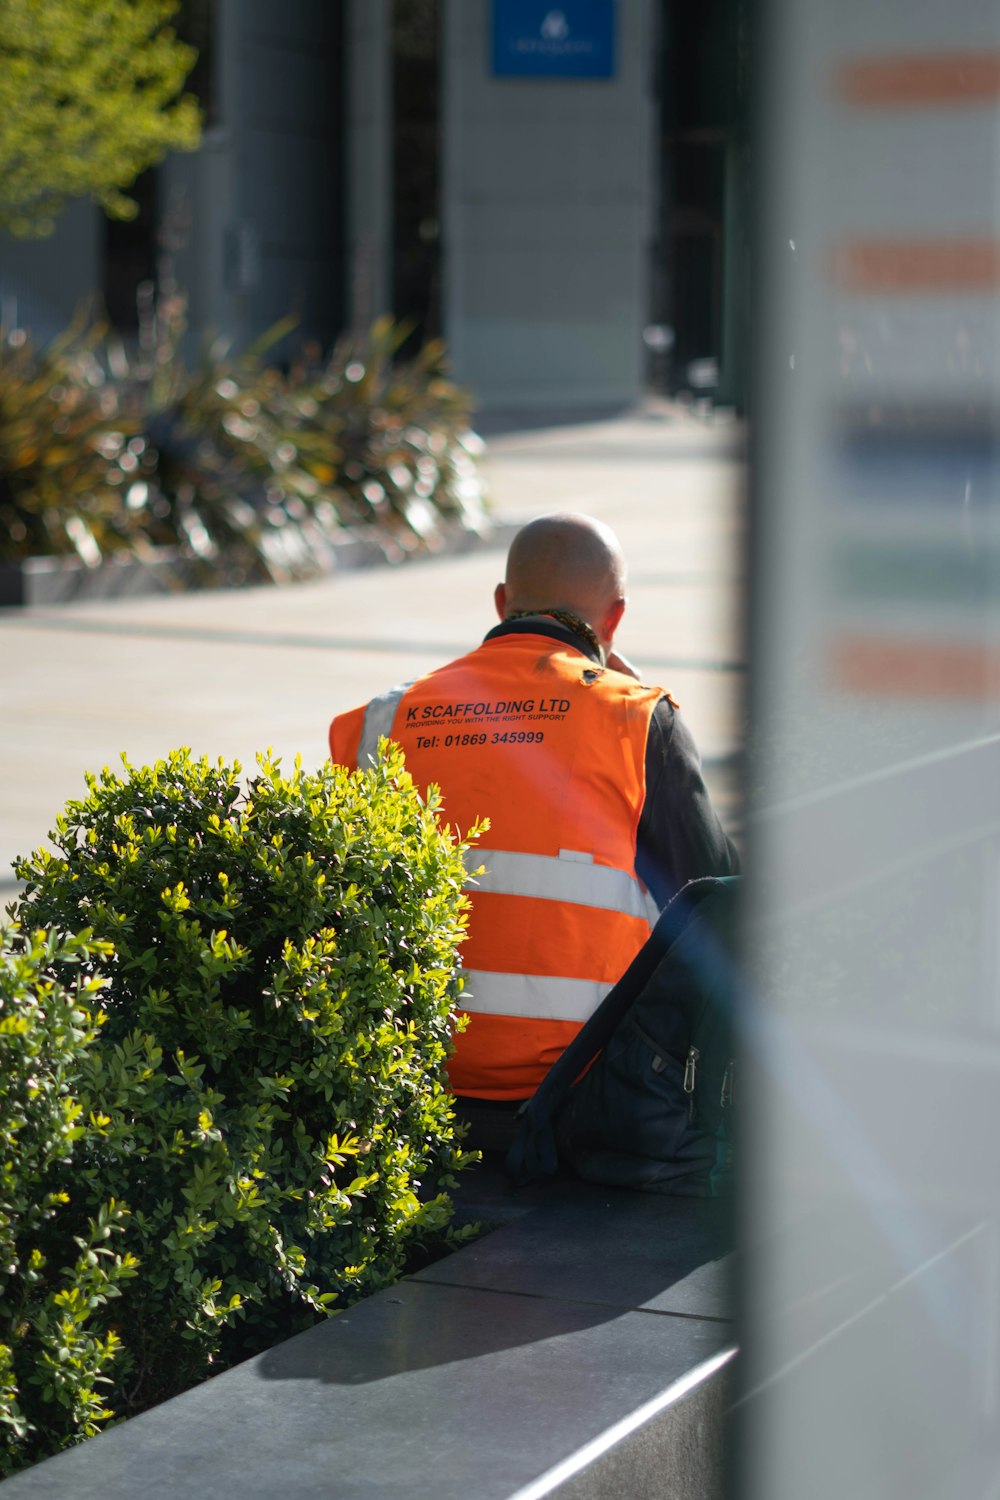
[690,1070]
[728,1085]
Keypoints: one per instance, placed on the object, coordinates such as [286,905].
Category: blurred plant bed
[129,470]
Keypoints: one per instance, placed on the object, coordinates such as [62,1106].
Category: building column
[369,161]
[546,188]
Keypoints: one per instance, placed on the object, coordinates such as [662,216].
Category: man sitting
[593,788]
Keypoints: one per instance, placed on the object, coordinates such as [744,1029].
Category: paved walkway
[230,673]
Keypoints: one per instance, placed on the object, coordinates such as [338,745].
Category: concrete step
[583,1349]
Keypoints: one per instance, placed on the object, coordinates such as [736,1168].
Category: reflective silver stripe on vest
[572,877]
[538,997]
[378,722]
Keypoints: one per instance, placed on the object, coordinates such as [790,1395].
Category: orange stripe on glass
[915,669]
[923,266]
[920,80]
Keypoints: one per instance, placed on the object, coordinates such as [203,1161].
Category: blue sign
[532,39]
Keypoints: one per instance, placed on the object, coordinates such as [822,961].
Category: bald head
[567,562]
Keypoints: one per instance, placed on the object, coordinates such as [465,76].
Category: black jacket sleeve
[680,837]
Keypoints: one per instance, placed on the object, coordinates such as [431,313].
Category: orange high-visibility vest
[552,749]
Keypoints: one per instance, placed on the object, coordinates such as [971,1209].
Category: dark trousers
[491,1122]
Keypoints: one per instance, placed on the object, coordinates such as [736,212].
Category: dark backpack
[655,1111]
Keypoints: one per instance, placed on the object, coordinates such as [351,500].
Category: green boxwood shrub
[58,1268]
[267,1094]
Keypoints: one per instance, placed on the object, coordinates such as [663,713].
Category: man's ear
[613,618]
[500,600]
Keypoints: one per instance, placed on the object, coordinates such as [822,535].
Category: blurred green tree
[90,96]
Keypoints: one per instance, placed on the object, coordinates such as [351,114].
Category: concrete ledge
[41,581]
[65,580]
[580,1350]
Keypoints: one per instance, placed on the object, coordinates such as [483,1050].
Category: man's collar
[545,625]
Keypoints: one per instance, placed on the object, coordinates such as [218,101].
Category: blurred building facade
[554,189]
